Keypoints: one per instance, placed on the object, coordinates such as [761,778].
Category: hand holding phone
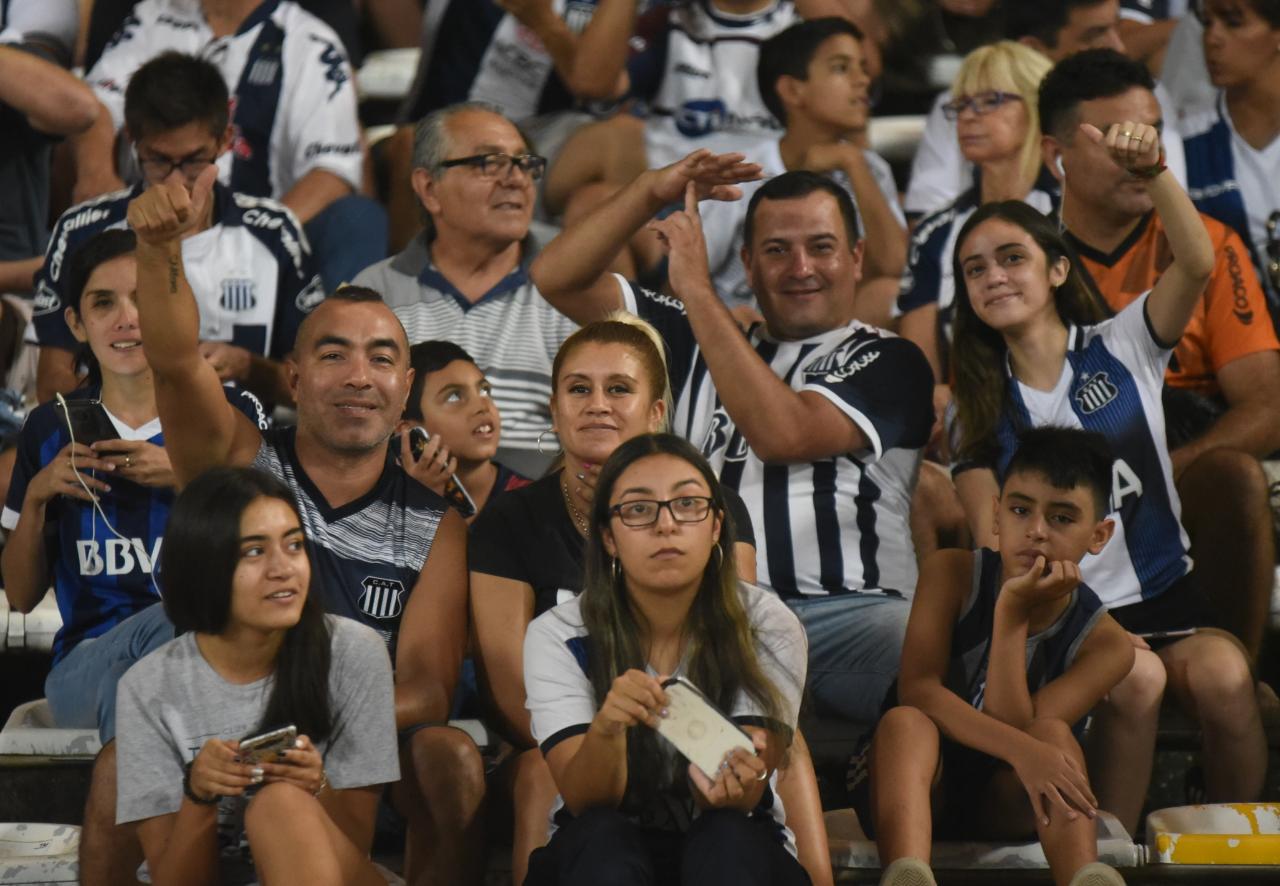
[454,492]
[267,746]
[698,730]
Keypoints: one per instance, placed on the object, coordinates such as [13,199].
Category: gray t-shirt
[171,702]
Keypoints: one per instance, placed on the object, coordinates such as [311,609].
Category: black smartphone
[454,492]
[88,421]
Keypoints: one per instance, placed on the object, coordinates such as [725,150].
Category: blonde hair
[1006,66]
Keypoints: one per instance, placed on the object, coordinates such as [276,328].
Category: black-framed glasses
[498,165]
[982,103]
[1273,249]
[642,512]
[159,168]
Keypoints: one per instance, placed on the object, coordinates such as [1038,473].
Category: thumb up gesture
[167,211]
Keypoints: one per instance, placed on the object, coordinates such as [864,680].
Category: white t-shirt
[293,101]
[562,703]
[723,222]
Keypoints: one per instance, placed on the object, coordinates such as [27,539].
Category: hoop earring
[542,451]
[719,552]
[615,571]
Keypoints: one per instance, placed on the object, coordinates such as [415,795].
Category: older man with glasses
[464,277]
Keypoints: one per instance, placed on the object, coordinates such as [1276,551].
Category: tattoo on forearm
[173,275]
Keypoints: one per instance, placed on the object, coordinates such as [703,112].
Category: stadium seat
[39,853]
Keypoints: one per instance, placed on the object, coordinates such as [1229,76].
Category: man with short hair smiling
[817,420]
[384,549]
[249,263]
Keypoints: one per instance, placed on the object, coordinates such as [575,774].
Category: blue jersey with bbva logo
[1111,383]
[251,272]
[697,67]
[100,577]
[365,555]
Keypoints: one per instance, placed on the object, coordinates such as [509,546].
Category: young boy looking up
[1006,652]
[813,77]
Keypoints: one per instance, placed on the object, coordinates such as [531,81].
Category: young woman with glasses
[662,599]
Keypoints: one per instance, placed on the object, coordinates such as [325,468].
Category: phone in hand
[454,492]
[265,746]
[88,421]
[698,729]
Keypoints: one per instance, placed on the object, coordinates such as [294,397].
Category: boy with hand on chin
[1006,652]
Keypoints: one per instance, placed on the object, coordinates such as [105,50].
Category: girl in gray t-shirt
[255,652]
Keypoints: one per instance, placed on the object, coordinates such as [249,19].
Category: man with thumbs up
[247,259]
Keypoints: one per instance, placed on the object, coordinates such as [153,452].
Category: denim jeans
[855,644]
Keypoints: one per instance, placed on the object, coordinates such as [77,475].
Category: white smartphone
[697,729]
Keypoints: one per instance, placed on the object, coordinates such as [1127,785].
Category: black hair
[197,569]
[1068,458]
[425,358]
[172,90]
[1085,76]
[789,53]
[97,250]
[801,183]
[721,656]
[1267,10]
[352,295]
[1042,20]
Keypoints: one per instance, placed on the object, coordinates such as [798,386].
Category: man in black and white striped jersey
[817,420]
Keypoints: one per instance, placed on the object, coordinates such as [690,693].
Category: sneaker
[908,872]
[1097,874]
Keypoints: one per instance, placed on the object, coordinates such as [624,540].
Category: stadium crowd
[622,375]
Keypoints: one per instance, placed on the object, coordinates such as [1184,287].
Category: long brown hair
[978,352]
[721,647]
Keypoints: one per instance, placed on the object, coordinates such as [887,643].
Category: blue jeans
[346,237]
[81,688]
[855,645]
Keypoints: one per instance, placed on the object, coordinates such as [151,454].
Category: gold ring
[128,460]
[763,775]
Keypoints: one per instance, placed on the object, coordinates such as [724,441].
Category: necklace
[579,518]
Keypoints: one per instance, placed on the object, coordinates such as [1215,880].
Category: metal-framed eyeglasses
[499,165]
[641,512]
[982,103]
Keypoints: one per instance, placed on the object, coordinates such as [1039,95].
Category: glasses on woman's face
[499,165]
[642,512]
[982,103]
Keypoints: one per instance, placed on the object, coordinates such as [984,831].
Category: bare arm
[1174,297]
[1251,386]
[1105,658]
[920,326]
[55,373]
[398,22]
[18,276]
[94,153]
[202,429]
[599,65]
[53,100]
[572,272]
[313,192]
[501,609]
[886,238]
[977,488]
[433,630]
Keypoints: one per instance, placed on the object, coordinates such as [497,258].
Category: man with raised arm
[385,550]
[816,419]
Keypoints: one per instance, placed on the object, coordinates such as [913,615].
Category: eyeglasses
[498,165]
[1273,249]
[982,103]
[644,512]
[159,168]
